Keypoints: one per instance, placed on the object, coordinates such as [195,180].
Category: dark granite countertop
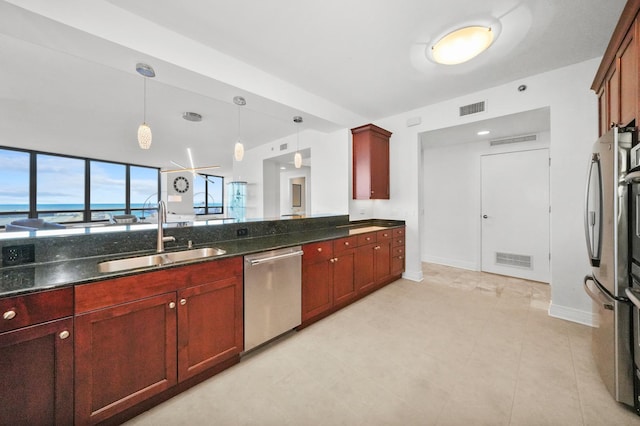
[22,279]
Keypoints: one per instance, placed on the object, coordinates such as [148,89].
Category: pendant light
[238,150]
[297,158]
[144,131]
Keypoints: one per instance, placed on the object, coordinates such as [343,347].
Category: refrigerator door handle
[598,297]
[603,296]
[593,217]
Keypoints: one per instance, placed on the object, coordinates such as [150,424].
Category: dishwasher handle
[255,262]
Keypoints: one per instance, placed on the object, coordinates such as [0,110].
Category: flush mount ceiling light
[144,131]
[297,159]
[192,116]
[238,150]
[462,45]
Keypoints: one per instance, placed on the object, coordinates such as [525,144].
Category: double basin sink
[159,259]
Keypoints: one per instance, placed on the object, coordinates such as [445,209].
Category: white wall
[451,233]
[573,129]
[327,192]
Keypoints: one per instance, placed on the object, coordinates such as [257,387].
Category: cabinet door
[209,325]
[603,111]
[317,288]
[379,167]
[612,83]
[344,285]
[365,262]
[628,64]
[37,374]
[382,260]
[124,355]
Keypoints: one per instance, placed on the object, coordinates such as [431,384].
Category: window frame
[33,211]
[206,195]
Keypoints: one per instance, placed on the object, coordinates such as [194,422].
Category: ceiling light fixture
[297,158]
[238,150]
[144,131]
[192,116]
[483,132]
[462,45]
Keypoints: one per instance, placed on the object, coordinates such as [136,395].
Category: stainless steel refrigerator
[606,229]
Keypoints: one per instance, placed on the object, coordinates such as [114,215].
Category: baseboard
[413,275]
[471,266]
[571,314]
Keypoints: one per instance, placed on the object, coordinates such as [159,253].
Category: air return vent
[515,260]
[283,146]
[471,109]
[516,139]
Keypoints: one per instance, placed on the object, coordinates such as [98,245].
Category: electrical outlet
[17,255]
[242,232]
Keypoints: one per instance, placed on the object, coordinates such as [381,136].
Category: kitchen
[565,90]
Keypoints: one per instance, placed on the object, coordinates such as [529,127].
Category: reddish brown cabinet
[138,336]
[397,251]
[36,359]
[370,163]
[617,79]
[327,276]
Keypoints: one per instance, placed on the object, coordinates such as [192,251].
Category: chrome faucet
[162,218]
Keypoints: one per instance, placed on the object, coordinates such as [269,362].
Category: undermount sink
[158,259]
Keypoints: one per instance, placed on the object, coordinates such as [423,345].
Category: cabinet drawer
[385,234]
[367,238]
[316,252]
[35,308]
[397,251]
[343,244]
[398,232]
[398,241]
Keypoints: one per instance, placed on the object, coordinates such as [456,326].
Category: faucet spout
[162,218]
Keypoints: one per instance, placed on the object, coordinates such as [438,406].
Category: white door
[515,214]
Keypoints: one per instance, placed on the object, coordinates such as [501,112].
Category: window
[144,191]
[65,189]
[60,188]
[108,189]
[208,194]
[14,197]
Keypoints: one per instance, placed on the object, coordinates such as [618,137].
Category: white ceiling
[70,65]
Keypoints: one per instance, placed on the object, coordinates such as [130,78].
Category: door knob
[484,216]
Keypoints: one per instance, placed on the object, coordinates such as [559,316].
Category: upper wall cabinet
[617,80]
[370,163]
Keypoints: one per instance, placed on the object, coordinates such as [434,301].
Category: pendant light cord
[144,103]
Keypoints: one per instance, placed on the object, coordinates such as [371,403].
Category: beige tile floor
[459,348]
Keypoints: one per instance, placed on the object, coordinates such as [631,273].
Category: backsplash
[65,247]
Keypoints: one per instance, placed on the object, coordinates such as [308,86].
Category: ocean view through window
[65,189]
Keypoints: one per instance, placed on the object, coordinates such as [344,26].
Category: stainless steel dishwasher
[272,294]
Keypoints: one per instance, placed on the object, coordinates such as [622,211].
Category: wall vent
[283,146]
[517,139]
[515,260]
[472,108]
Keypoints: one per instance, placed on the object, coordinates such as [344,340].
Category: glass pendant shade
[144,136]
[297,160]
[462,45]
[238,151]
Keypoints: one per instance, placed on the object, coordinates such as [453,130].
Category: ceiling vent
[516,139]
[283,146]
[472,108]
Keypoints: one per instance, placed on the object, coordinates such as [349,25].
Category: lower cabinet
[37,374]
[36,358]
[335,273]
[132,343]
[327,276]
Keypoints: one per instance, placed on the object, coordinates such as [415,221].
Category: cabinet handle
[368,238]
[319,249]
[376,248]
[183,302]
[400,257]
[385,235]
[346,243]
[9,315]
[335,259]
[172,305]
[63,334]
